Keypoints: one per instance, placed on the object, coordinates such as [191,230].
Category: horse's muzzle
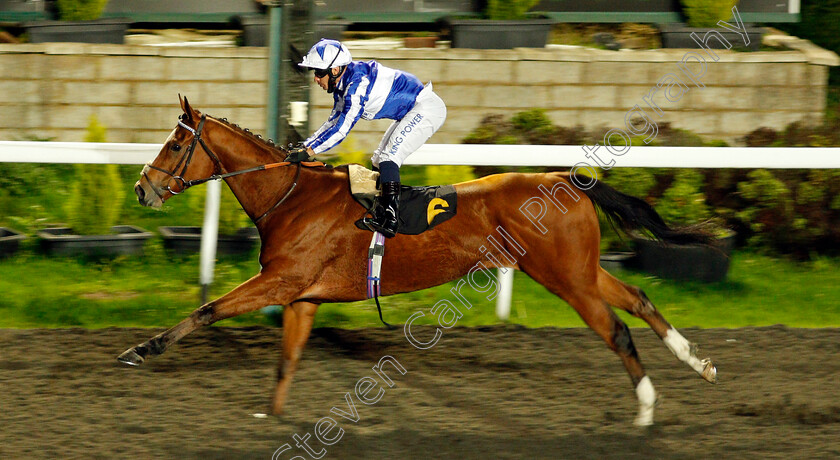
[145,197]
[141,194]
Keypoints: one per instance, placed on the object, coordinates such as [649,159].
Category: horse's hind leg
[297,324]
[600,318]
[616,334]
[634,301]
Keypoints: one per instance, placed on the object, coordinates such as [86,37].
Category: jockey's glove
[297,153]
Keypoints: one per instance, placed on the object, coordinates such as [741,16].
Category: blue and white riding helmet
[325,55]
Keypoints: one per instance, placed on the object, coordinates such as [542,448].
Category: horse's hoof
[645,418]
[648,400]
[709,371]
[276,408]
[131,358]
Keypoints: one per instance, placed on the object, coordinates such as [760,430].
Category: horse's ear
[185,106]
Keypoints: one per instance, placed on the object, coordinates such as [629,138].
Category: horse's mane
[279,151]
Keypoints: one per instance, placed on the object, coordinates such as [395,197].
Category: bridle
[186,158]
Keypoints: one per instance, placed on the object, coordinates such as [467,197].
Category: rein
[187,158]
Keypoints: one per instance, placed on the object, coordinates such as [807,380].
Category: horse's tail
[631,213]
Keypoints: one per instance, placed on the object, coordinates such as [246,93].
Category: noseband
[186,158]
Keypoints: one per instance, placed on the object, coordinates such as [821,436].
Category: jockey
[370,91]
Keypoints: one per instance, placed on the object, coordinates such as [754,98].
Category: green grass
[157,290]
[153,290]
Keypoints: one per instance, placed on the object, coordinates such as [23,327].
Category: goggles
[321,73]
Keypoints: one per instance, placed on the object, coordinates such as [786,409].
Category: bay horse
[313,253]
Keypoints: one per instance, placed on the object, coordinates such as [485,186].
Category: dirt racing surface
[499,392]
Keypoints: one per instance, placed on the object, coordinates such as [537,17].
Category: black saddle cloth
[421,208]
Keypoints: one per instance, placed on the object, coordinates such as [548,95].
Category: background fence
[451,154]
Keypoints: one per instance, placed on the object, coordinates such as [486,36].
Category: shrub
[707,13]
[231,215]
[792,211]
[493,129]
[508,9]
[797,134]
[770,206]
[80,10]
[96,194]
[33,194]
[448,174]
[531,120]
[674,137]
[795,212]
[684,203]
[761,137]
[528,127]
[632,181]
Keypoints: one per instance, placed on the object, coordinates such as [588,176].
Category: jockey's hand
[298,153]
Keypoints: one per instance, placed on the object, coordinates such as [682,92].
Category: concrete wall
[593,88]
[51,90]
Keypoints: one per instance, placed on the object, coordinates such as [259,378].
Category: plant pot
[487,34]
[679,36]
[9,241]
[255,29]
[608,6]
[396,11]
[21,5]
[330,28]
[126,240]
[98,31]
[612,261]
[22,10]
[180,11]
[187,240]
[333,7]
[685,262]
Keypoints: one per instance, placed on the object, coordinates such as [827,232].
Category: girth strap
[375,254]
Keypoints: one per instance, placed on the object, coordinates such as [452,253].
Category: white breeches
[405,136]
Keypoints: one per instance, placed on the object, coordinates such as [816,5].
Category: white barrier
[77,152]
[475,155]
[466,154]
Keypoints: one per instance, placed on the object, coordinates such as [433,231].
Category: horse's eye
[175,148]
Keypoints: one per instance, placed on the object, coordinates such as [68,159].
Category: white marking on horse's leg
[647,399]
[686,352]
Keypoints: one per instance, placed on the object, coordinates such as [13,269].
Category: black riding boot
[386,218]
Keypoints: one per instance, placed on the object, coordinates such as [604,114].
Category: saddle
[421,208]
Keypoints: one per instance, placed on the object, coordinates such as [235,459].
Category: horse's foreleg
[248,296]
[634,301]
[297,324]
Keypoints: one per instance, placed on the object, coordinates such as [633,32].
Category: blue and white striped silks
[367,90]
